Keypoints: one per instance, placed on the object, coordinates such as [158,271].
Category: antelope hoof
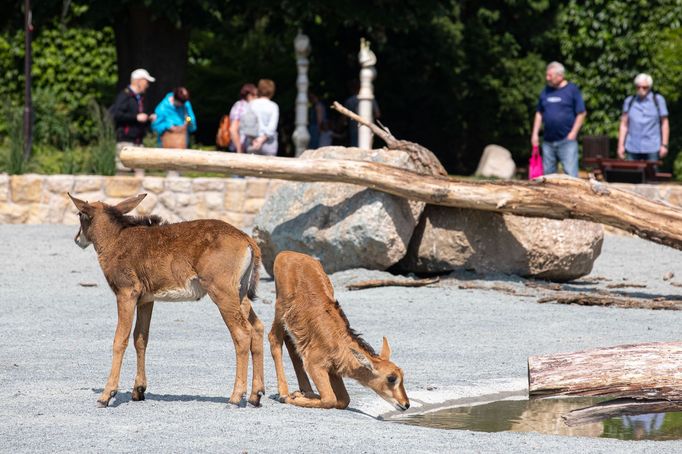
[239,401]
[292,396]
[103,402]
[254,399]
[138,393]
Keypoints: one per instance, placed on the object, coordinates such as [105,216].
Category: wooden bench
[622,171]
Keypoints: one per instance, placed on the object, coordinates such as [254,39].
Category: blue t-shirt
[559,108]
[644,123]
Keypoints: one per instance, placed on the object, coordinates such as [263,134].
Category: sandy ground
[55,353]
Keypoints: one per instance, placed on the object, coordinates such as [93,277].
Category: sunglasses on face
[642,87]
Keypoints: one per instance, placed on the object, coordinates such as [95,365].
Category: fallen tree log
[641,371]
[373,283]
[609,300]
[554,196]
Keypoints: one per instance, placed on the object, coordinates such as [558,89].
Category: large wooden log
[641,371]
[555,196]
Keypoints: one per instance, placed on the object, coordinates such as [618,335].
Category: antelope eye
[392,379]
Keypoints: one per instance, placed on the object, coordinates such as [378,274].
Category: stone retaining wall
[42,199]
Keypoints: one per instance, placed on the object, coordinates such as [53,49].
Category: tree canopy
[452,75]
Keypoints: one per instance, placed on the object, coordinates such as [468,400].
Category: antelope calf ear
[362,359]
[129,204]
[81,205]
[385,350]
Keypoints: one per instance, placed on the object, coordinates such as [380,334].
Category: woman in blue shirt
[175,114]
[644,128]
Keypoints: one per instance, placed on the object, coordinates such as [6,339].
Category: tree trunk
[554,197]
[149,41]
[641,371]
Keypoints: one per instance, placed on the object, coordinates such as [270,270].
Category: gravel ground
[452,343]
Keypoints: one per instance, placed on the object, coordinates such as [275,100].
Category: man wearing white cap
[129,116]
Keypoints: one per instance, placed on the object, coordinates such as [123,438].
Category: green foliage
[104,150]
[15,156]
[71,67]
[79,66]
[607,43]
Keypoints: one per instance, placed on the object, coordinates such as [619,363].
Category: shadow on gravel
[126,397]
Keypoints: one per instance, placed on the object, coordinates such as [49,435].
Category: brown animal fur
[309,320]
[144,259]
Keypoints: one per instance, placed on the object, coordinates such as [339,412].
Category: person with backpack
[129,116]
[644,128]
[243,123]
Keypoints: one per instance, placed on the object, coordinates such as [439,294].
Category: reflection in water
[545,416]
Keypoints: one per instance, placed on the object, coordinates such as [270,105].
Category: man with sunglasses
[644,127]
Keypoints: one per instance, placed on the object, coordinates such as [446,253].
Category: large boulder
[343,225]
[454,238]
[496,162]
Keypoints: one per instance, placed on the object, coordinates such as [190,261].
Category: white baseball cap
[141,74]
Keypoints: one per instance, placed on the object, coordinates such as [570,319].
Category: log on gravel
[640,371]
[608,300]
[373,283]
[554,196]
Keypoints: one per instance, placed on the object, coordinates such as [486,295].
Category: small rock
[88,284]
[669,275]
[431,387]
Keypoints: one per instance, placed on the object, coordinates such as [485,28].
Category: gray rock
[496,162]
[345,226]
[454,238]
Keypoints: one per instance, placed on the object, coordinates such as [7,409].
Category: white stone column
[367,61]
[301,136]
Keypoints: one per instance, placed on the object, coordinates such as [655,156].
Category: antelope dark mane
[354,334]
[125,221]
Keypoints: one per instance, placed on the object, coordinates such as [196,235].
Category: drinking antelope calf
[145,260]
[309,320]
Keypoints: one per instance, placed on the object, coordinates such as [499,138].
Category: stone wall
[42,199]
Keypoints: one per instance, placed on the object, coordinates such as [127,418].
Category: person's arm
[120,111]
[622,134]
[234,135]
[535,135]
[192,126]
[162,122]
[665,135]
[577,124]
[319,115]
[270,129]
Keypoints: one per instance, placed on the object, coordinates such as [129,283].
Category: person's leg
[630,156]
[568,154]
[549,158]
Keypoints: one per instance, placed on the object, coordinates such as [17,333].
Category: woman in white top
[268,117]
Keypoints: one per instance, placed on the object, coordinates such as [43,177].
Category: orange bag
[171,139]
[222,138]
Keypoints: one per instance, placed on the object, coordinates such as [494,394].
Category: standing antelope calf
[145,260]
[309,320]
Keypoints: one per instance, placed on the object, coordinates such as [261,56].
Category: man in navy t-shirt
[562,110]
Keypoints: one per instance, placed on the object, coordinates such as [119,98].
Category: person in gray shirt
[644,127]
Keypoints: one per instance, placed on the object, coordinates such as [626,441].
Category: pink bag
[535,164]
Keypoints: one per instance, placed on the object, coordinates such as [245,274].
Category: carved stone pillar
[367,61]
[301,136]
